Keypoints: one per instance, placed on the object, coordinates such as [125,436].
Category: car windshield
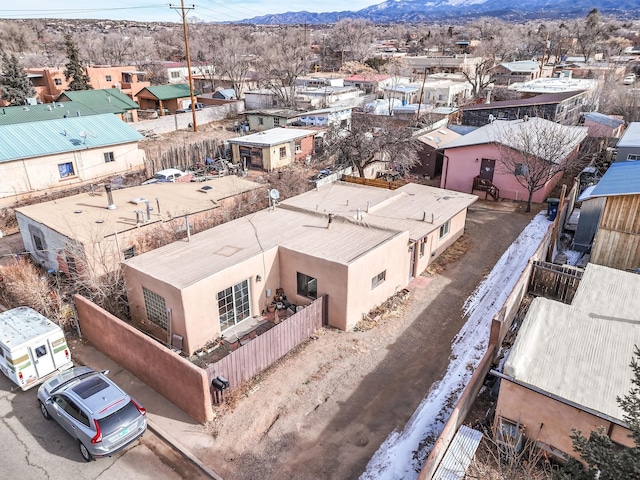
[160,176]
[118,419]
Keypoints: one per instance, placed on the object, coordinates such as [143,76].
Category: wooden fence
[256,356]
[184,157]
[373,183]
[556,282]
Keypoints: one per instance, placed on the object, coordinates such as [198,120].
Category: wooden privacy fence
[373,183]
[256,356]
[556,282]
[183,157]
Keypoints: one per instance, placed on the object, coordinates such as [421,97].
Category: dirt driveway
[326,408]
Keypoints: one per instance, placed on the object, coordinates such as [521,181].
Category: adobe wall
[175,378]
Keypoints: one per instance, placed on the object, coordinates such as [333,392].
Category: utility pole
[183,13]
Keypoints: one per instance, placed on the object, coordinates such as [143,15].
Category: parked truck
[32,347]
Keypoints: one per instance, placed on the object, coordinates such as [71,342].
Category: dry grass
[394,307]
[451,255]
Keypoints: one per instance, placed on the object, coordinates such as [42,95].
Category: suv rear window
[90,387]
[118,419]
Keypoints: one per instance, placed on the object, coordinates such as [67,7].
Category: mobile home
[32,347]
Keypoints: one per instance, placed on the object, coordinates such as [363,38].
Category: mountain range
[424,11]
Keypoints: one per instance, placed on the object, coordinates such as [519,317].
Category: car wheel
[44,411]
[84,452]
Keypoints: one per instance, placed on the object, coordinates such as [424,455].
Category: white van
[32,347]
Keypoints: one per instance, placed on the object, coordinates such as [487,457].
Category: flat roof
[631,136]
[585,357]
[85,217]
[402,209]
[273,136]
[184,263]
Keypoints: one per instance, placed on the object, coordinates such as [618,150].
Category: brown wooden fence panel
[556,282]
[256,356]
[373,183]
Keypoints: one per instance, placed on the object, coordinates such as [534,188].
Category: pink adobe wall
[599,130]
[172,376]
[460,168]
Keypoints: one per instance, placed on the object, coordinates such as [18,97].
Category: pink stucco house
[478,160]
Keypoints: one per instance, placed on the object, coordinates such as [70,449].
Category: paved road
[34,448]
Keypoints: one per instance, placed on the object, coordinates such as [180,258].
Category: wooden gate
[556,282]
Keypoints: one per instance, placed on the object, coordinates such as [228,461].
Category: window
[175,74]
[66,170]
[129,253]
[57,81]
[156,308]
[108,78]
[298,146]
[423,242]
[444,229]
[108,157]
[276,121]
[260,121]
[633,156]
[283,152]
[521,169]
[378,279]
[37,242]
[234,305]
[307,286]
[41,351]
[509,434]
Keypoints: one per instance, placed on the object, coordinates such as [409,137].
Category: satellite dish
[491,117]
[275,194]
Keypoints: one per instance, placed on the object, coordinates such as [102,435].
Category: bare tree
[536,150]
[590,32]
[353,38]
[232,54]
[370,140]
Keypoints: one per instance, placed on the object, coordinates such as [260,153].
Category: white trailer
[32,346]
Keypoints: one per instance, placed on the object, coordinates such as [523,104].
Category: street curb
[181,449]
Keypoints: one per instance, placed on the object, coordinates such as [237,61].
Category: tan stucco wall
[21,178]
[549,420]
[433,242]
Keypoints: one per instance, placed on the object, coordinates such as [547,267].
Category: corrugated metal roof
[506,132]
[86,218]
[49,137]
[185,263]
[631,136]
[43,111]
[604,119]
[581,352]
[461,451]
[402,209]
[106,100]
[621,178]
[168,92]
[273,136]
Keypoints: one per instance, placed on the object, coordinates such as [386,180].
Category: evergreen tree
[14,83]
[74,69]
[606,460]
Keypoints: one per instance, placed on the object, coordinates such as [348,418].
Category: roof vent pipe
[111,206]
[158,204]
[368,204]
[330,220]
[149,208]
[138,212]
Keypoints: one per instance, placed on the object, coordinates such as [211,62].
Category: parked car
[629,79]
[166,175]
[92,409]
[199,106]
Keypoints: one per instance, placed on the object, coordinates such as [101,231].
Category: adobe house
[68,152]
[603,126]
[274,148]
[568,374]
[356,244]
[164,98]
[265,119]
[521,71]
[44,111]
[110,100]
[107,227]
[473,161]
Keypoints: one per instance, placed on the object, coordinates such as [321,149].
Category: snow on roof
[273,136]
[604,119]
[585,357]
[506,133]
[631,136]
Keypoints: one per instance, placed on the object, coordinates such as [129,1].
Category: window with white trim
[109,157]
[378,279]
[298,146]
[444,229]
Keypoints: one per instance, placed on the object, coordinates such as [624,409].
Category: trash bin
[552,208]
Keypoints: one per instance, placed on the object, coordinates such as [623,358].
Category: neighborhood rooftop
[621,178]
[43,111]
[49,137]
[273,136]
[593,344]
[87,217]
[214,250]
[417,208]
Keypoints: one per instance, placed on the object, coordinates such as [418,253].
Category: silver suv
[93,410]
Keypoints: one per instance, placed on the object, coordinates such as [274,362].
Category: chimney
[330,220]
[111,206]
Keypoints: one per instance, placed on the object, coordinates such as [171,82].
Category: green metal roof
[169,92]
[106,100]
[50,137]
[43,111]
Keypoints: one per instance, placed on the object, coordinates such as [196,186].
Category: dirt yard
[324,410]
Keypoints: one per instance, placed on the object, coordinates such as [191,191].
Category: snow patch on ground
[403,453]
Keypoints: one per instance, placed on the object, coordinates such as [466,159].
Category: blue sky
[149,10]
